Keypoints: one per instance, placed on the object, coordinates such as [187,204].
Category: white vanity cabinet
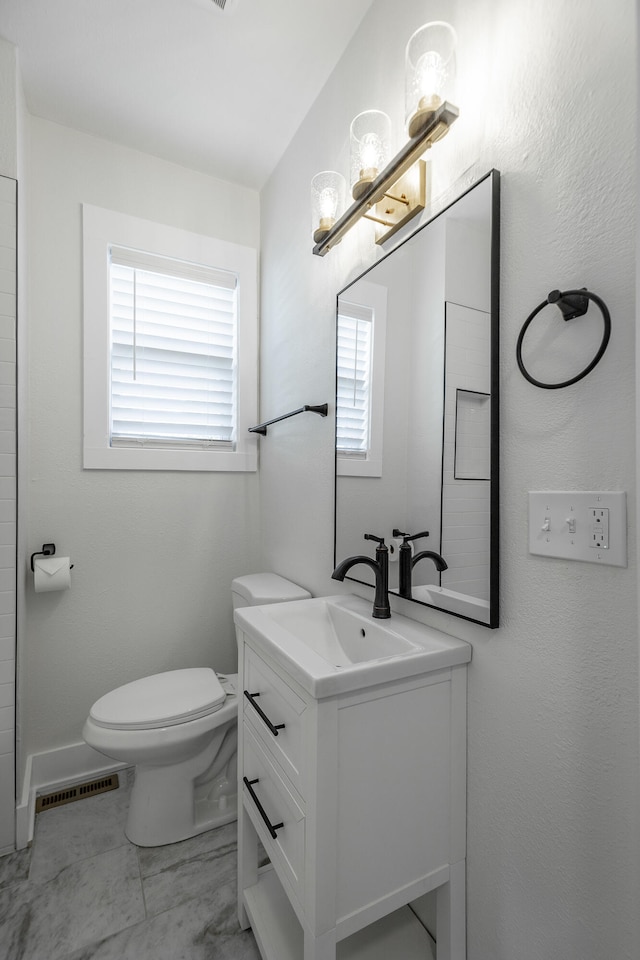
[359,800]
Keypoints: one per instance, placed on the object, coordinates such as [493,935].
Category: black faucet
[408,562]
[380,566]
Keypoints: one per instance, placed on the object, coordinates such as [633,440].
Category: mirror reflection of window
[360,375]
[353,395]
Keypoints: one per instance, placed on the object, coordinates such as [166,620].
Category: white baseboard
[53,770]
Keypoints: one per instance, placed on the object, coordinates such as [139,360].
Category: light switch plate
[578,525]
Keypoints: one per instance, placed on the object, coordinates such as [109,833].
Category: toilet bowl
[179,730]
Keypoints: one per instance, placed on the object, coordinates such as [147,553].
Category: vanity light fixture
[393,196]
[328,191]
[370,140]
[430,73]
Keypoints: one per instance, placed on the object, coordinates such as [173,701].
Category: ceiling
[218,91]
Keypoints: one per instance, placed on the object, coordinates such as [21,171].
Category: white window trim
[373,295]
[105,228]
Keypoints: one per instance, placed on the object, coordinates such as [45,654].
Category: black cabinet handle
[271,827]
[273,727]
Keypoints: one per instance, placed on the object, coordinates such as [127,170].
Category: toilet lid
[161,700]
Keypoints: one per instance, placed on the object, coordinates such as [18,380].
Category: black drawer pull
[271,827]
[273,727]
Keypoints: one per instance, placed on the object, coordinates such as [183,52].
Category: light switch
[579,525]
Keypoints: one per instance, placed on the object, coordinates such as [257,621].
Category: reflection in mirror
[417,410]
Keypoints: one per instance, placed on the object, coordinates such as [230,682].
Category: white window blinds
[354,359]
[173,351]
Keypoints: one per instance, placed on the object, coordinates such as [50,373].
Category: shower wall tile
[8,472]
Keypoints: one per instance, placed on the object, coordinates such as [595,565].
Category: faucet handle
[415,536]
[370,536]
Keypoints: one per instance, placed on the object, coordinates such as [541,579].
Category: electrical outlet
[599,517]
[579,525]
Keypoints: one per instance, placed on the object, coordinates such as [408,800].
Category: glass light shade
[370,140]
[328,191]
[430,73]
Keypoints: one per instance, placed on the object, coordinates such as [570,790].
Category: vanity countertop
[308,639]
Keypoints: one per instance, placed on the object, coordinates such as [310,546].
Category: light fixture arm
[438,126]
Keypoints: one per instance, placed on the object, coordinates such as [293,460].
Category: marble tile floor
[82,891]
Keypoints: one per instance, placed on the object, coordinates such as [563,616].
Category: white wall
[154,552]
[547,98]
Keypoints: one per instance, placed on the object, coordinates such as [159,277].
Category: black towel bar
[320,408]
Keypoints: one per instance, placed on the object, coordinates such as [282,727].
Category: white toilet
[179,729]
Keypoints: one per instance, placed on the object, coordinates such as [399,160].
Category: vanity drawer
[277,715]
[275,813]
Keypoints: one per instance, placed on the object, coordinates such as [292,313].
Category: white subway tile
[8,212]
[7,625]
[8,190]
[8,304]
[7,742]
[7,695]
[7,602]
[7,510]
[464,548]
[7,720]
[7,579]
[7,396]
[7,235]
[8,350]
[8,373]
[8,327]
[7,531]
[7,801]
[7,557]
[8,648]
[7,484]
[7,438]
[7,671]
[8,279]
[7,464]
[477,572]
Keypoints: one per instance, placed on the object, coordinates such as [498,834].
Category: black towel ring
[572,303]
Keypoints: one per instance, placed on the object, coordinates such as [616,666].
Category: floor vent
[79,792]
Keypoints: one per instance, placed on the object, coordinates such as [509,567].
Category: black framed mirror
[417,413]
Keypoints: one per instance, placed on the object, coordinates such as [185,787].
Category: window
[170,347]
[353,392]
[360,360]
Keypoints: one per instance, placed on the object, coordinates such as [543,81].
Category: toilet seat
[162,700]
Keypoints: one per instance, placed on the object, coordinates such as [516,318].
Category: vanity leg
[451,930]
[247,863]
[320,948]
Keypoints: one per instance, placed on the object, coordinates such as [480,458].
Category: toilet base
[206,813]
[174,803]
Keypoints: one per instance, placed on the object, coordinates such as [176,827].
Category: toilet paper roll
[51,573]
[394,549]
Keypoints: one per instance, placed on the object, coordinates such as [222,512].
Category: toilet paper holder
[48,550]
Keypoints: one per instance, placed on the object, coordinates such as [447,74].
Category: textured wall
[154,552]
[547,97]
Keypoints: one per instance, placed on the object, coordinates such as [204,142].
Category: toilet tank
[259,588]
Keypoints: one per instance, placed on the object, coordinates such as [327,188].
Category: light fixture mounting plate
[404,201]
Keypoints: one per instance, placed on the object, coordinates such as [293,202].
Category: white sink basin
[339,635]
[333,644]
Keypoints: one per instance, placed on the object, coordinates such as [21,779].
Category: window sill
[351,467]
[127,458]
